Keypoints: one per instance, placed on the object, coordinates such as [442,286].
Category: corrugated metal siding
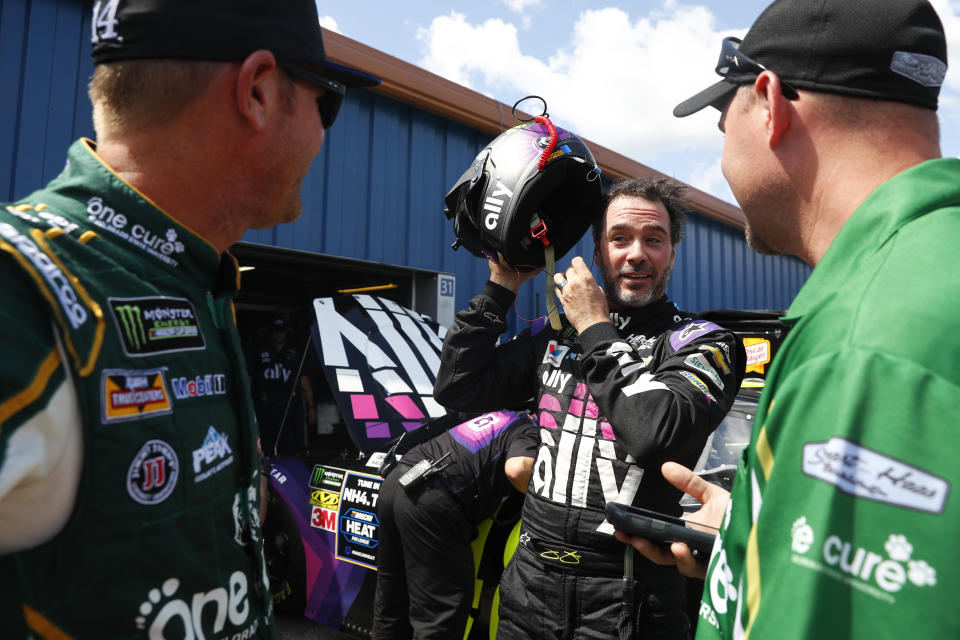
[374,193]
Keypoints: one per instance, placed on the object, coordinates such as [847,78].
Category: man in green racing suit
[129,470]
[841,519]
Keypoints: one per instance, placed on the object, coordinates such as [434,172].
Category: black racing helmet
[511,200]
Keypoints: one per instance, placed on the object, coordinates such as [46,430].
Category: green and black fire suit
[124,397]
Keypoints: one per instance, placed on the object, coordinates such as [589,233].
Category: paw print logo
[898,547]
[153,600]
[172,238]
[921,574]
[802,534]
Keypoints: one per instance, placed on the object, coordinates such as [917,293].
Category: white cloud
[520,5]
[327,22]
[615,82]
[708,177]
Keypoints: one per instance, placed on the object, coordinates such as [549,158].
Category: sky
[610,71]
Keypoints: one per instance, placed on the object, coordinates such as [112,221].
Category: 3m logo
[129,395]
[149,326]
[325,519]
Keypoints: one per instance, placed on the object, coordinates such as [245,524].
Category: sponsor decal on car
[357,520]
[162,246]
[327,478]
[758,354]
[152,475]
[133,394]
[864,473]
[877,573]
[149,326]
[212,456]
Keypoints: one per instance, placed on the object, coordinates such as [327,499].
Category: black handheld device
[660,527]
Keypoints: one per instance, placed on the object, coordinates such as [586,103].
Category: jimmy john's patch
[133,394]
[153,472]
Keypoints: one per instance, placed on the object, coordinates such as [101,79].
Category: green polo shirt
[842,522]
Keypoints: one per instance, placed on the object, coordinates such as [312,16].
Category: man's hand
[714,500]
[584,302]
[507,278]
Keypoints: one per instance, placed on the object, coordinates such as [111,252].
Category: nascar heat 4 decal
[358,524]
[153,325]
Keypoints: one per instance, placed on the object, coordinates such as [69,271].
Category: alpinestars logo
[877,574]
[148,326]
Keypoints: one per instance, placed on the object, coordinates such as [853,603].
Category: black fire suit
[614,403]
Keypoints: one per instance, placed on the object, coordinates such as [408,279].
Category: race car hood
[380,360]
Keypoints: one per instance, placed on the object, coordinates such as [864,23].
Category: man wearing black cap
[841,516]
[128,448]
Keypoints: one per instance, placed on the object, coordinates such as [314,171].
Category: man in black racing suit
[617,393]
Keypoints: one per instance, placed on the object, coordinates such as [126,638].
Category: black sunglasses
[329,103]
[734,62]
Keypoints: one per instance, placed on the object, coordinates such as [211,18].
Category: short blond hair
[132,94]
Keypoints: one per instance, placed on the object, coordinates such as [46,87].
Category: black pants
[425,576]
[543,600]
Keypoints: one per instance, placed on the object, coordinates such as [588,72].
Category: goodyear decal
[133,394]
[149,326]
[698,383]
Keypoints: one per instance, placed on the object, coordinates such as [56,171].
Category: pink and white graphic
[477,433]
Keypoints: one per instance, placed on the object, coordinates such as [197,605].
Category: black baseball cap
[221,30]
[884,49]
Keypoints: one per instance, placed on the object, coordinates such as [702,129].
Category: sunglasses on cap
[329,103]
[734,62]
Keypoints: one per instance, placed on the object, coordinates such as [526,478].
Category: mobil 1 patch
[148,326]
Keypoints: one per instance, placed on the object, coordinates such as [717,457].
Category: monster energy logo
[132,325]
[156,325]
[326,478]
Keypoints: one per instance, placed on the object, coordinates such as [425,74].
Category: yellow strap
[551,296]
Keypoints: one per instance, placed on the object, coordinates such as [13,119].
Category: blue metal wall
[374,193]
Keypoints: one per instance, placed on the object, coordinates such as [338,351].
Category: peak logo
[214,451]
[877,574]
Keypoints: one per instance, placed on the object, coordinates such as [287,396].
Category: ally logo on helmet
[534,185]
